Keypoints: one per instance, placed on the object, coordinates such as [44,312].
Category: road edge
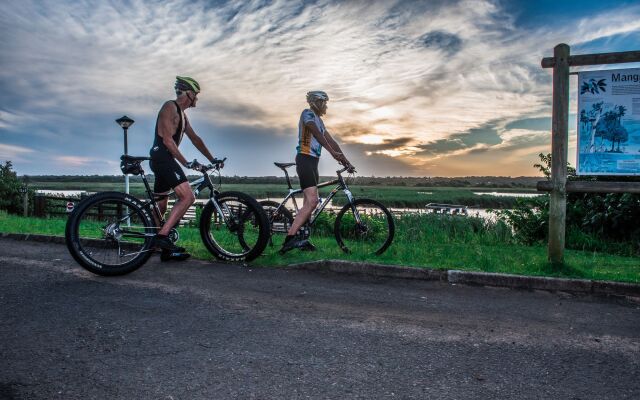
[452,276]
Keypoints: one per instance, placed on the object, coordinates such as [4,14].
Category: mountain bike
[362,226]
[111,233]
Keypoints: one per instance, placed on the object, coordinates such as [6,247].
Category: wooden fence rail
[56,206]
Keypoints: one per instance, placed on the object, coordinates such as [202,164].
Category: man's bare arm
[324,141]
[167,124]
[197,141]
[320,138]
[332,142]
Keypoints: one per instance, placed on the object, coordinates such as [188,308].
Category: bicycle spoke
[236,228]
[108,229]
[367,230]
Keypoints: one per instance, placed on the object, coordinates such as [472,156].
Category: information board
[609,122]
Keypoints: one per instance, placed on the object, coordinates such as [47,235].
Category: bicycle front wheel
[364,227]
[110,234]
[237,229]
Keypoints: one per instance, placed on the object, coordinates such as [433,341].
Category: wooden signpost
[560,62]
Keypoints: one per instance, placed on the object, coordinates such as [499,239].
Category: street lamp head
[125,122]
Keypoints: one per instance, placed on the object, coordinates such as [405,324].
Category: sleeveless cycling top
[159,152]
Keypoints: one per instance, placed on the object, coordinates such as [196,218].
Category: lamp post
[125,122]
[24,189]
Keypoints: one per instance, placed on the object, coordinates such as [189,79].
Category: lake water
[61,193]
[507,194]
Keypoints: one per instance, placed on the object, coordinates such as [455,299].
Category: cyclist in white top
[312,137]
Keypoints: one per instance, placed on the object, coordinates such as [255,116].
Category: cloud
[12,153]
[74,161]
[416,80]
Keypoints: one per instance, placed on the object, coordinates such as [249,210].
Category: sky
[417,88]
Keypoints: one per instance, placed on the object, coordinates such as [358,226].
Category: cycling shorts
[307,169]
[168,175]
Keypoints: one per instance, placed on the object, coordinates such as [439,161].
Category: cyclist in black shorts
[312,137]
[171,125]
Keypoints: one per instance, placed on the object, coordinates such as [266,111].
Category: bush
[595,222]
[10,196]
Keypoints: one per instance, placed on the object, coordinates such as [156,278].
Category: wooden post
[25,204]
[559,141]
[40,205]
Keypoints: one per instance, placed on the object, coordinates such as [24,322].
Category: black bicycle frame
[200,183]
[341,185]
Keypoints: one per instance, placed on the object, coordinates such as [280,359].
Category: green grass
[426,241]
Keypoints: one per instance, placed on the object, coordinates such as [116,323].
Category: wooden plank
[559,145]
[593,187]
[595,59]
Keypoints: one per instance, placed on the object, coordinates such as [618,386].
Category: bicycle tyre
[252,214]
[341,224]
[81,247]
[280,222]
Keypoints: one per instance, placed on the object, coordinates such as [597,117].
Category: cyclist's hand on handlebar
[217,163]
[350,168]
[195,165]
[344,162]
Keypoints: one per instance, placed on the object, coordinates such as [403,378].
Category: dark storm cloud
[487,135]
[389,144]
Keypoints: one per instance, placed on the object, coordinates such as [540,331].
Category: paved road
[207,331]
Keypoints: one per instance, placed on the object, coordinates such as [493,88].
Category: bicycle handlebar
[351,169]
[217,164]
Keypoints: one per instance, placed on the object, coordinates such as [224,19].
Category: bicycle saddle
[284,165]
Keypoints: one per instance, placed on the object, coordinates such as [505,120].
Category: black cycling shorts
[168,174]
[307,169]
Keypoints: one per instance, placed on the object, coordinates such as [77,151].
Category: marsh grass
[392,196]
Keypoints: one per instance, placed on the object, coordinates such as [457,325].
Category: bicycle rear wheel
[280,221]
[109,234]
[364,227]
[239,231]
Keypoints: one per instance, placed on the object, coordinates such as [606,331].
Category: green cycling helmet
[184,83]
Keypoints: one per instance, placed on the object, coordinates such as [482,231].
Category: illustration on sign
[609,122]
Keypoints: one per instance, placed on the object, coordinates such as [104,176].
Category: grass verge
[421,241]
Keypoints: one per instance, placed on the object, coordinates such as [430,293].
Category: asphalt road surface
[199,330]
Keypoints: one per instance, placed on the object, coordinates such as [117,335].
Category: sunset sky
[417,88]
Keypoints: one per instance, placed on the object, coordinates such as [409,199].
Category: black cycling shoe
[164,243]
[307,246]
[159,249]
[291,243]
[174,255]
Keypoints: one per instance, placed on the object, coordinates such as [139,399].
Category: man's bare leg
[185,200]
[309,204]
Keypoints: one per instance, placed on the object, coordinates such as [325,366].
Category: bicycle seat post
[286,174]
